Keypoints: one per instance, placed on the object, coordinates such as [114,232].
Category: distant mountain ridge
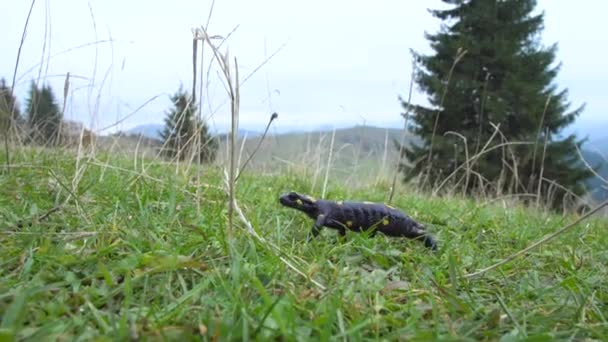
[372,139]
[153,131]
[597,134]
[149,130]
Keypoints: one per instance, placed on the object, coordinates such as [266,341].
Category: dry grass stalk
[403,133]
[483,151]
[328,167]
[542,167]
[469,162]
[514,169]
[231,176]
[382,171]
[10,119]
[481,110]
[604,180]
[540,127]
[197,141]
[563,188]
[194,60]
[460,54]
[466,156]
[317,169]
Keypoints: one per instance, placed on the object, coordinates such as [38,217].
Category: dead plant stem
[10,120]
[403,133]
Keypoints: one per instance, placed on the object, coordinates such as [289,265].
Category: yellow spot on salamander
[385,222]
[349,223]
[299,202]
[366,202]
[389,206]
[340,202]
[312,199]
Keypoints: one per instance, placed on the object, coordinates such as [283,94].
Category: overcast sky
[339,61]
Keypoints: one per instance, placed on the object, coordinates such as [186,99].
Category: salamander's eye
[293,196]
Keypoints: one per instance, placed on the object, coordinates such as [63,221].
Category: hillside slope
[598,186]
[359,153]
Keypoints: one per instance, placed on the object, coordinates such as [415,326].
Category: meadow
[109,242]
[102,246]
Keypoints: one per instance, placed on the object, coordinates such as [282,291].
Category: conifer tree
[9,109]
[43,115]
[488,67]
[181,125]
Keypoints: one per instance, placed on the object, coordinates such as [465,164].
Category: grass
[129,256]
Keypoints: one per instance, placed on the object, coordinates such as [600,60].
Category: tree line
[42,117]
[185,134]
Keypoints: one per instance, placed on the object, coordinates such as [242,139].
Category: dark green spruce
[181,125]
[10,115]
[505,77]
[43,115]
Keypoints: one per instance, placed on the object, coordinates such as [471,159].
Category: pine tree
[43,115]
[181,125]
[9,109]
[489,67]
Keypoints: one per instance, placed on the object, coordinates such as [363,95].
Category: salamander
[357,217]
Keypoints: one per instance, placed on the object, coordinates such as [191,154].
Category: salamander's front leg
[316,229]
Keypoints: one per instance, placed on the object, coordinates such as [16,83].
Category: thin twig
[538,243]
[130,114]
[272,118]
[27,20]
[78,47]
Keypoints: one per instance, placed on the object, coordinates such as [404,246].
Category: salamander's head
[297,201]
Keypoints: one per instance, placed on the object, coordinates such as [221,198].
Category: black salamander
[357,217]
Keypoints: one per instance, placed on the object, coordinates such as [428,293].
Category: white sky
[342,61]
